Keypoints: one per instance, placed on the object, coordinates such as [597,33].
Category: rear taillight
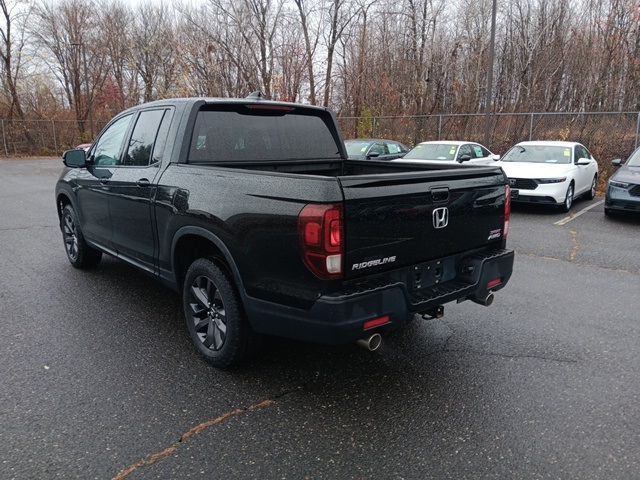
[322,239]
[507,211]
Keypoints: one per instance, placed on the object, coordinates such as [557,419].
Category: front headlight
[613,183]
[551,180]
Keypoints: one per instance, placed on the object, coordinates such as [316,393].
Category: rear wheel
[591,194]
[568,200]
[79,253]
[213,313]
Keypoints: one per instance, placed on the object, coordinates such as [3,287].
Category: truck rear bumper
[340,318]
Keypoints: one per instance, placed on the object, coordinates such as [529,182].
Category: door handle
[143,182]
[104,180]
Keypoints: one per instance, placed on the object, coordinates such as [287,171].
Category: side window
[144,135]
[477,151]
[378,148]
[485,152]
[465,150]
[107,149]
[394,148]
[581,152]
[161,139]
[585,152]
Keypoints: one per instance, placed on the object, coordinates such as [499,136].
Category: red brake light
[321,239]
[507,211]
[376,322]
[496,282]
[273,108]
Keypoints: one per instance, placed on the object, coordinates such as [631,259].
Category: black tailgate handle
[440,194]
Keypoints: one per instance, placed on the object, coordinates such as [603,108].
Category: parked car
[374,149]
[264,232]
[623,189]
[451,152]
[552,173]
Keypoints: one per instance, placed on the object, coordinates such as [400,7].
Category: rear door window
[394,148]
[142,139]
[241,134]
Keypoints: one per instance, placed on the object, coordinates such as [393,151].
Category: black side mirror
[617,162]
[464,158]
[76,158]
[373,155]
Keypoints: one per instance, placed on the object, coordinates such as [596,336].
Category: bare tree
[310,46]
[116,20]
[11,50]
[68,31]
[152,49]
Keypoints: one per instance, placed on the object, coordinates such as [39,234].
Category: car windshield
[355,147]
[538,154]
[634,159]
[432,151]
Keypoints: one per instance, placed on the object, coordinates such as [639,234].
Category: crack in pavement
[515,355]
[167,452]
[30,227]
[452,331]
[576,245]
[580,264]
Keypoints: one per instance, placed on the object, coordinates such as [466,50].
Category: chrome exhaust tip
[486,301]
[371,343]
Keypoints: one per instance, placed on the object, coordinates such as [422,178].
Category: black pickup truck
[252,211]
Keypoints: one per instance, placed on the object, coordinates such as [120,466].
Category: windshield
[355,147]
[432,151]
[634,159]
[538,154]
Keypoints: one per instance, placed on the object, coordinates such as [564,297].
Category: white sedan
[450,152]
[551,173]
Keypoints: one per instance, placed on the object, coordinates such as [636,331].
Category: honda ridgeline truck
[251,210]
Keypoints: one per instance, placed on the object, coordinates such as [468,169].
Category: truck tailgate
[399,219]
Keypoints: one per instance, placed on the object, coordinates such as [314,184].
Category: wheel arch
[191,243]
[62,200]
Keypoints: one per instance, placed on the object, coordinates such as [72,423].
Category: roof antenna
[257,95]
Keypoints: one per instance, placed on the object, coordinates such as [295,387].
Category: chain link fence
[41,137]
[608,135]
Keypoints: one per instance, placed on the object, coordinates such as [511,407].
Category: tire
[591,194]
[79,253]
[568,199]
[214,316]
[608,212]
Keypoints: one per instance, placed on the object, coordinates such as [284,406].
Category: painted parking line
[573,216]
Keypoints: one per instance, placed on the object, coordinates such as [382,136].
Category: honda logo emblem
[440,217]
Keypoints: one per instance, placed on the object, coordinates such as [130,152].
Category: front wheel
[213,313]
[568,200]
[79,253]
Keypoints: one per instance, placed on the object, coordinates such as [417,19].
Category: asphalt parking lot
[99,377]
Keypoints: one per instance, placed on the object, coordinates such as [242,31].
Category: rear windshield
[240,134]
[432,151]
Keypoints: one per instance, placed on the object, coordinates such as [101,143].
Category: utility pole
[488,99]
[89,103]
